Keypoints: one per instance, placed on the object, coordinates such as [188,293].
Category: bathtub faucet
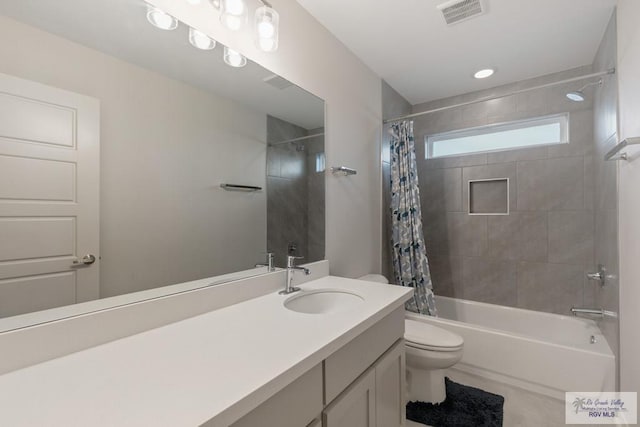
[598,312]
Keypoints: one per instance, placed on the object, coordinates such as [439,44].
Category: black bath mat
[464,406]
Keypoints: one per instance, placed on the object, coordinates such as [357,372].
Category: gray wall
[606,185]
[536,257]
[295,193]
[393,105]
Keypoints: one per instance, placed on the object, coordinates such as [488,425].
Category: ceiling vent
[460,10]
[277,82]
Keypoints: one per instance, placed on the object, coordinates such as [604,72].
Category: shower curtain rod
[286,141]
[491,98]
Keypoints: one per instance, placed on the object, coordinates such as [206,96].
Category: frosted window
[521,134]
[320,162]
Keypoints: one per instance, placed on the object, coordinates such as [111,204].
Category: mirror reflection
[116,139]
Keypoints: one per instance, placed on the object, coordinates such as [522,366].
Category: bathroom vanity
[253,363]
[361,384]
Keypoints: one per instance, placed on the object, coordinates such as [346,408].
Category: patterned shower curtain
[410,264]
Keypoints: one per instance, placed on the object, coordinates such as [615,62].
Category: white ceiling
[407,43]
[119,28]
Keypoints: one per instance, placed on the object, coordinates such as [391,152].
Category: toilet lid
[424,335]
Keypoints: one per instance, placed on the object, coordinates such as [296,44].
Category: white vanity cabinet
[376,398]
[362,384]
[356,406]
[297,405]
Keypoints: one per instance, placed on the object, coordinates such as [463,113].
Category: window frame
[562,119]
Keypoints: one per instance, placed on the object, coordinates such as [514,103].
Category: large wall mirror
[115,140]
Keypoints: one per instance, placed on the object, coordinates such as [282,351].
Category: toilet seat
[424,336]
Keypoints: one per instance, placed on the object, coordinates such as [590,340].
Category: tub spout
[597,312]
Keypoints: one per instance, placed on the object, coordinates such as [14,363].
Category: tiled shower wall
[537,256]
[606,184]
[315,199]
[295,193]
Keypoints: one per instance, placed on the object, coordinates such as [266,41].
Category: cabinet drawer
[294,406]
[349,362]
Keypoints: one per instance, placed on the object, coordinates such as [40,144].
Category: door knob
[86,260]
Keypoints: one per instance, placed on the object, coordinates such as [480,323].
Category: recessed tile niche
[489,197]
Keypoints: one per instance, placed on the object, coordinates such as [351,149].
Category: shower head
[578,95]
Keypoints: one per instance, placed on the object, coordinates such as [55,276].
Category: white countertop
[215,367]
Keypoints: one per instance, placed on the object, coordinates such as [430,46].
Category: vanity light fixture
[233,14]
[234,58]
[483,74]
[200,40]
[160,19]
[266,27]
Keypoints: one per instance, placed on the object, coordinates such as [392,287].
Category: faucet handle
[599,276]
[291,260]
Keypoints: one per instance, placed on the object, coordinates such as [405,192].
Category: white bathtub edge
[509,380]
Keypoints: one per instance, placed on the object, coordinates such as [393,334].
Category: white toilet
[430,350]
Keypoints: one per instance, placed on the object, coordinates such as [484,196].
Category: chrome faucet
[291,268]
[270,262]
[597,312]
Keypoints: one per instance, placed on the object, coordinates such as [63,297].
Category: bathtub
[540,352]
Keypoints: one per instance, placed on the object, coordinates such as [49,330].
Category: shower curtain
[410,264]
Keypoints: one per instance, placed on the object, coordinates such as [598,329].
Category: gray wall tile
[466,235]
[571,237]
[446,276]
[441,189]
[553,288]
[452,162]
[508,156]
[489,280]
[518,236]
[552,184]
[533,236]
[434,225]
[502,241]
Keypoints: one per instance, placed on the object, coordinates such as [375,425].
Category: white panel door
[355,407]
[49,196]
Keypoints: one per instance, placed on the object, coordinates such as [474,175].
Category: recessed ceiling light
[483,74]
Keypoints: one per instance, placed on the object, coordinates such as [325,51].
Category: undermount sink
[323,301]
